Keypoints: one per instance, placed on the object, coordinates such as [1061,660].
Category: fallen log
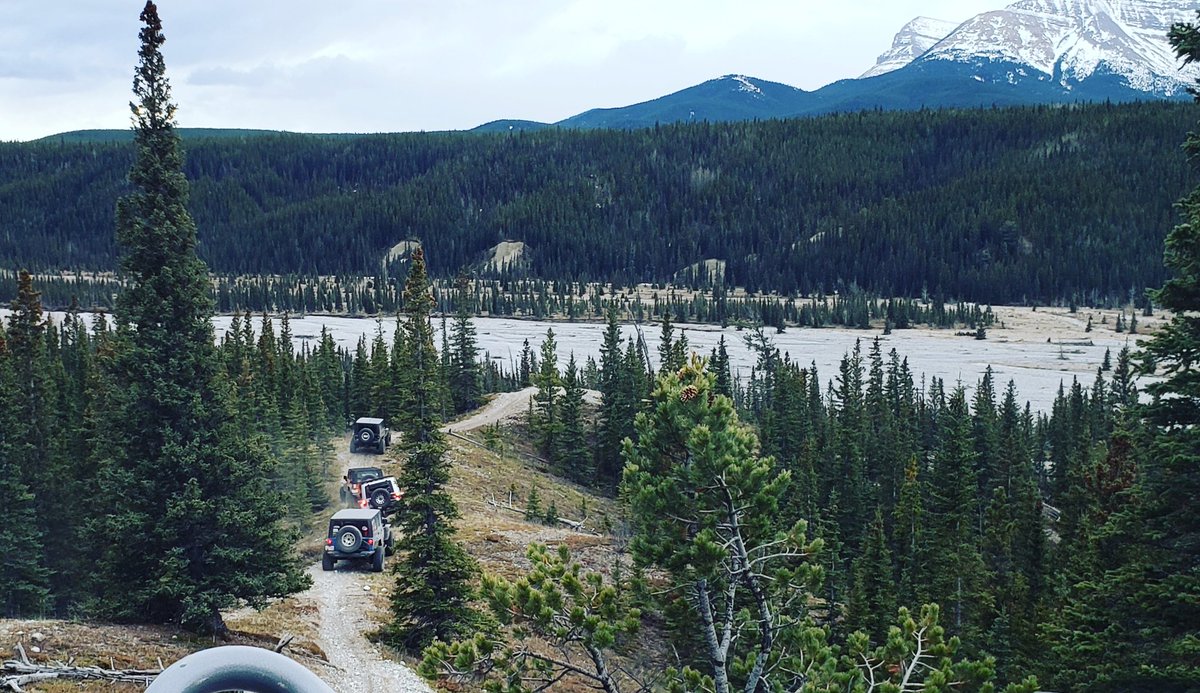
[576,525]
[14,673]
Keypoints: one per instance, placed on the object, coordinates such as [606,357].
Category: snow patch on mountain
[915,38]
[1073,40]
[745,85]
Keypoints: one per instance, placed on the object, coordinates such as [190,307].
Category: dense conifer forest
[1001,205]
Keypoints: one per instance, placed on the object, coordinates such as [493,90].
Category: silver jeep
[357,535]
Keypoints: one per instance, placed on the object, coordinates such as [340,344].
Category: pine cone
[689,393]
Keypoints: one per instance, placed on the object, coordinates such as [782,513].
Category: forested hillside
[999,205]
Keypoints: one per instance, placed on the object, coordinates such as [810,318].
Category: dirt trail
[506,405]
[343,599]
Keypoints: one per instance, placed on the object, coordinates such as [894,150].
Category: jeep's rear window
[360,475]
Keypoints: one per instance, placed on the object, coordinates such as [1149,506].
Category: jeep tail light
[328,542]
[362,504]
[370,542]
[397,496]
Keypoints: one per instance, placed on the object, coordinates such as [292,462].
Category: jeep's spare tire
[348,539]
[365,435]
[379,498]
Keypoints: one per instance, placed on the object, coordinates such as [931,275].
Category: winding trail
[504,406]
[358,665]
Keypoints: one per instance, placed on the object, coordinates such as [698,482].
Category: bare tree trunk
[716,652]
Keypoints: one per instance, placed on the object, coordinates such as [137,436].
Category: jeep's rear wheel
[377,565]
[348,539]
[327,562]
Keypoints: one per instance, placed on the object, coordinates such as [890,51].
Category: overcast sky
[403,65]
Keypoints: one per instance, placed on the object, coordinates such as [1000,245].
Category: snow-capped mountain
[915,38]
[1030,52]
[1067,42]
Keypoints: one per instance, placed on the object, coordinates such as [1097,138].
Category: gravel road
[504,406]
[359,665]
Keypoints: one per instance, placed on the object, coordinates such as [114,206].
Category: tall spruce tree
[433,584]
[24,579]
[618,404]
[572,454]
[38,458]
[188,526]
[545,419]
[466,382]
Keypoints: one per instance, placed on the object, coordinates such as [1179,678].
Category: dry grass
[104,645]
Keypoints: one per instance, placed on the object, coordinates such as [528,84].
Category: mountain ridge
[1027,53]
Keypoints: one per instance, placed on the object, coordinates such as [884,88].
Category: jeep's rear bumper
[365,553]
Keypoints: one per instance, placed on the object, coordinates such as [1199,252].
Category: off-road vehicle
[380,494]
[360,534]
[370,434]
[353,480]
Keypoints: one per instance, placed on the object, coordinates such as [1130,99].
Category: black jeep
[352,483]
[370,434]
[357,535]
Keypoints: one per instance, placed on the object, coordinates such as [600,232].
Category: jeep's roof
[355,514]
[368,421]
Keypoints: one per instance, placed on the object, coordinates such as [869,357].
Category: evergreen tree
[713,524]
[719,365]
[466,383]
[191,491]
[617,405]
[433,585]
[360,381]
[873,596]
[36,456]
[909,538]
[24,579]
[573,454]
[954,522]
[546,422]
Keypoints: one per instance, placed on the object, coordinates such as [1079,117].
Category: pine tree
[954,521]
[39,458]
[719,365]
[909,538]
[533,505]
[573,454]
[873,596]
[466,384]
[617,405]
[182,482]
[433,584]
[546,422]
[24,579]
[713,524]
